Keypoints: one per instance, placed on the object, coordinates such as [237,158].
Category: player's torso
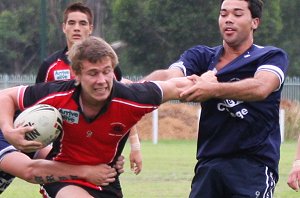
[92,141]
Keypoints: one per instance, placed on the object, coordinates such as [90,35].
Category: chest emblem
[117,129]
[89,134]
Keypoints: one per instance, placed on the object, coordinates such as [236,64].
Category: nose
[229,19]
[101,78]
[76,27]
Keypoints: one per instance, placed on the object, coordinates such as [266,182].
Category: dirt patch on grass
[175,121]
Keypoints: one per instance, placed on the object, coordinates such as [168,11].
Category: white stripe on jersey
[275,70]
[180,66]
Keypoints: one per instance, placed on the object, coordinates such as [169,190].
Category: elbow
[261,94]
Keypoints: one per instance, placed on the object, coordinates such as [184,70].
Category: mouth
[76,36]
[229,30]
[100,90]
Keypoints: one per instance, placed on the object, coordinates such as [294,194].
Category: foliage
[18,39]
[156,32]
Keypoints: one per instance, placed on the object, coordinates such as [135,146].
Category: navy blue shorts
[237,177]
[111,191]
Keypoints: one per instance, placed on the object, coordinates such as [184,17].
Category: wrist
[135,146]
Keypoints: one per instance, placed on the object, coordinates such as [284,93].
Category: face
[77,27]
[236,23]
[96,81]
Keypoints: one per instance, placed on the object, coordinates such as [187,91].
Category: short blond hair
[92,49]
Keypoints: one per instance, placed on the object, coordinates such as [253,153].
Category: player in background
[78,25]
[238,145]
[101,174]
[105,111]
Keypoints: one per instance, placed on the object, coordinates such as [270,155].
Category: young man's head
[238,20]
[77,23]
[93,61]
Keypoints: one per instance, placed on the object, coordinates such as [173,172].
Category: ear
[77,80]
[63,26]
[91,29]
[255,23]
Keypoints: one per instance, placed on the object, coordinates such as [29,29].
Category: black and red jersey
[57,67]
[92,141]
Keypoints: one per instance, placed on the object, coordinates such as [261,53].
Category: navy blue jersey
[230,127]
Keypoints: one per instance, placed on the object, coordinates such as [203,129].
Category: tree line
[153,32]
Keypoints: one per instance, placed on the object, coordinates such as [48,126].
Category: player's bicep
[268,80]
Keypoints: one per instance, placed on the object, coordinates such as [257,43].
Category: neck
[89,109]
[236,50]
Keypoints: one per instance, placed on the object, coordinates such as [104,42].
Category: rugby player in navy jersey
[239,134]
[56,67]
[98,113]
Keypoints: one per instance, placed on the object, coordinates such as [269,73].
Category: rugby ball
[46,120]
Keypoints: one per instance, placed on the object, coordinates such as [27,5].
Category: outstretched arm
[250,89]
[173,87]
[45,171]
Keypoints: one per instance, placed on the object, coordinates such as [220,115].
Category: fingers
[119,166]
[294,176]
[136,167]
[17,138]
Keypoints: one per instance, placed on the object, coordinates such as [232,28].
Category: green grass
[167,172]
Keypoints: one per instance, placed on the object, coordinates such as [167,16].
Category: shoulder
[269,50]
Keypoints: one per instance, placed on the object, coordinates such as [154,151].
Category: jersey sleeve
[194,60]
[275,61]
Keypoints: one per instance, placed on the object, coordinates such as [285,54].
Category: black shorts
[111,191]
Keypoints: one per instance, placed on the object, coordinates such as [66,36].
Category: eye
[92,73]
[71,22]
[107,71]
[223,13]
[83,23]
[238,13]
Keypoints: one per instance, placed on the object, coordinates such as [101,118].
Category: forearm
[245,90]
[39,171]
[135,144]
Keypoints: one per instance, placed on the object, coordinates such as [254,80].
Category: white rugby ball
[46,120]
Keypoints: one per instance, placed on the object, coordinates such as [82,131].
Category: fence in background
[291,89]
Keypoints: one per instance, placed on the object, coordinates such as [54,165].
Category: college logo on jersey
[70,116]
[64,74]
[117,129]
[229,106]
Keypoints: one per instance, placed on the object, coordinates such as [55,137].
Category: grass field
[167,172]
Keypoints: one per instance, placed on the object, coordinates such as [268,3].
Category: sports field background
[167,172]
